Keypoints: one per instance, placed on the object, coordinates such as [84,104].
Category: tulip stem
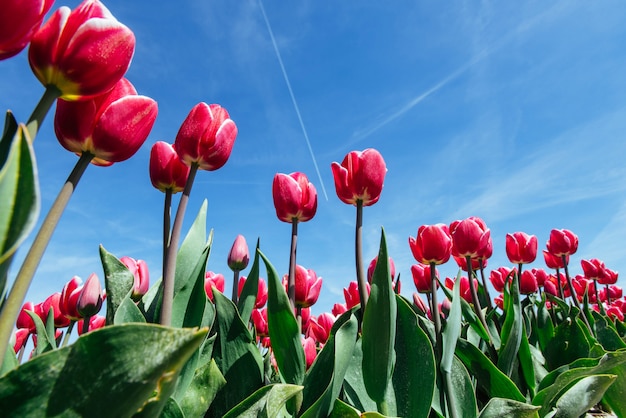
[235,293]
[481,264]
[85,329]
[41,110]
[167,215]
[24,278]
[358,251]
[172,250]
[291,280]
[476,302]
[574,296]
[558,281]
[608,295]
[66,338]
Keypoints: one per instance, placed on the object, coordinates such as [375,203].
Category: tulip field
[503,341]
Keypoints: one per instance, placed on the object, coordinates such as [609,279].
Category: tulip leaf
[109,372]
[512,328]
[128,312]
[283,329]
[379,329]
[118,282]
[44,341]
[19,189]
[606,334]
[488,377]
[190,301]
[248,296]
[583,395]
[324,379]
[267,402]
[452,330]
[462,390]
[569,344]
[414,376]
[236,355]
[206,382]
[172,410]
[499,407]
[343,410]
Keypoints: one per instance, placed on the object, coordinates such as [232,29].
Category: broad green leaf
[10,361]
[172,410]
[206,382]
[584,394]
[415,372]
[512,328]
[379,329]
[118,282]
[248,296]
[489,378]
[190,300]
[128,312]
[109,372]
[266,402]
[545,326]
[615,396]
[323,381]
[452,330]
[463,391]
[526,363]
[498,408]
[606,334]
[44,342]
[569,344]
[19,189]
[236,355]
[283,329]
[343,410]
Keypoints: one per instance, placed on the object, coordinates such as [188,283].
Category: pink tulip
[528,283]
[261,296]
[167,171]
[610,277]
[308,286]
[339,308]
[259,319]
[69,298]
[421,278]
[432,244]
[464,289]
[53,302]
[500,276]
[562,242]
[206,137]
[90,299]
[213,279]
[239,256]
[83,52]
[553,261]
[469,237]
[421,305]
[310,351]
[141,276]
[21,338]
[360,177]
[18,22]
[295,198]
[521,248]
[95,322]
[320,326]
[351,294]
[24,320]
[112,126]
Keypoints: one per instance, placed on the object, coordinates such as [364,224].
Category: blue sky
[510,111]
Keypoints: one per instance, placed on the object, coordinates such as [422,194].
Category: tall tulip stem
[235,292]
[172,250]
[481,264]
[167,214]
[475,300]
[41,110]
[574,295]
[358,252]
[24,278]
[291,279]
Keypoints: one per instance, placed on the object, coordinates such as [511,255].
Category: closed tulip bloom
[464,287]
[541,275]
[421,277]
[83,52]
[420,304]
[18,22]
[141,276]
[239,255]
[521,248]
[69,298]
[259,319]
[24,320]
[53,302]
[615,313]
[612,291]
[500,276]
[310,351]
[469,236]
[295,198]
[528,283]
[320,326]
[95,322]
[21,338]
[167,171]
[432,244]
[261,296]
[562,242]
[594,269]
[90,299]
[308,286]
[360,177]
[112,126]
[206,137]
[213,279]
[351,294]
[610,277]
[553,261]
[338,309]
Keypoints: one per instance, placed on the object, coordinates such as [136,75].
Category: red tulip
[53,302]
[552,285]
[615,313]
[521,248]
[213,279]
[261,296]
[306,316]
[499,301]
[469,237]
[541,275]
[338,309]
[18,22]
[500,276]
[464,289]
[112,126]
[83,52]
[528,283]
[24,320]
[421,278]
[421,305]
[167,171]
[320,326]
[562,242]
[614,292]
[308,286]
[433,244]
[206,137]
[239,256]
[553,261]
[69,298]
[610,277]
[310,351]
[95,322]
[594,269]
[141,276]
[259,319]
[360,177]
[295,198]
[351,294]
[90,299]
[21,338]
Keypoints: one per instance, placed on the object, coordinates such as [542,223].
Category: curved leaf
[248,296]
[265,402]
[584,394]
[498,408]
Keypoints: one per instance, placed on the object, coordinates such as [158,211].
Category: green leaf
[343,410]
[615,396]
[266,402]
[128,312]
[462,390]
[283,329]
[118,282]
[545,326]
[569,344]
[44,342]
[379,329]
[324,379]
[236,355]
[512,328]
[190,300]
[10,361]
[498,408]
[248,296]
[206,382]
[606,334]
[414,377]
[109,372]
[452,330]
[584,394]
[19,188]
[489,378]
[172,410]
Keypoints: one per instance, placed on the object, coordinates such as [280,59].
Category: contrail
[293,98]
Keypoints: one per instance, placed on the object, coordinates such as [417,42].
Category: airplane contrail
[293,98]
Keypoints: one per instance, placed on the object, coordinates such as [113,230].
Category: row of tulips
[558,352]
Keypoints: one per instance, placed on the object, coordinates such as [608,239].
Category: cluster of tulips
[558,352]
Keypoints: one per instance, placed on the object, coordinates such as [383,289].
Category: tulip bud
[562,242]
[310,351]
[24,320]
[167,171]
[521,248]
[261,296]
[295,198]
[433,244]
[90,299]
[421,278]
[360,177]
[112,126]
[239,256]
[320,326]
[69,298]
[469,236]
[82,52]
[206,137]
[213,279]
[308,286]
[141,276]
[18,22]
